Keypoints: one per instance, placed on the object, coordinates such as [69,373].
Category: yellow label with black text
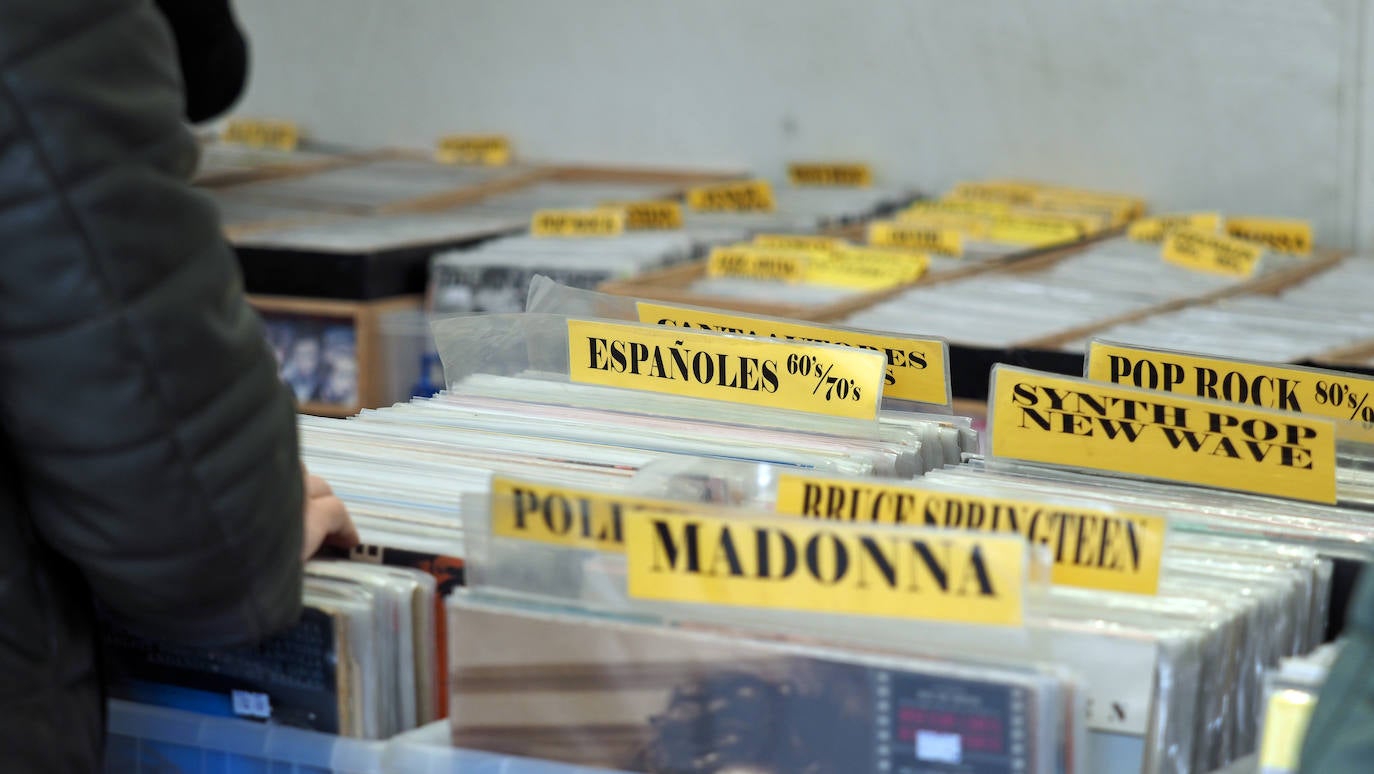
[1035,230]
[971,226]
[998,191]
[913,236]
[800,242]
[487,150]
[1091,548]
[830,174]
[921,574]
[917,368]
[1060,420]
[1093,217]
[649,215]
[263,133]
[774,374]
[573,518]
[1286,718]
[567,224]
[867,268]
[960,207]
[1126,207]
[1211,253]
[1154,229]
[747,196]
[768,263]
[1346,398]
[1087,220]
[863,277]
[1278,234]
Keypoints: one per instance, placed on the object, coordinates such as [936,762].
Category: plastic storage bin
[156,740]
[426,751]
[144,740]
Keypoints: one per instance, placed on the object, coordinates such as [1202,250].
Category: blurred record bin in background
[330,352]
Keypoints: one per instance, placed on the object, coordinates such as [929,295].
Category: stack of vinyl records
[374,185]
[831,207]
[797,210]
[957,234]
[510,407]
[1098,283]
[376,233]
[362,662]
[228,162]
[523,202]
[1173,670]
[494,276]
[421,457]
[1327,313]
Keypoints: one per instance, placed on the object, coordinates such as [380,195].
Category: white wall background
[1256,106]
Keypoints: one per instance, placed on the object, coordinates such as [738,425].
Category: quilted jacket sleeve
[156,447]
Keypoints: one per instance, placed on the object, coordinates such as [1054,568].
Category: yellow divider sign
[573,224]
[1058,420]
[1211,253]
[830,174]
[1277,234]
[649,215]
[871,571]
[263,133]
[1346,398]
[572,518]
[816,379]
[1155,229]
[488,150]
[917,368]
[748,196]
[1092,548]
[997,191]
[913,236]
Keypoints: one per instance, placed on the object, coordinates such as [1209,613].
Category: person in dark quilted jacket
[148,455]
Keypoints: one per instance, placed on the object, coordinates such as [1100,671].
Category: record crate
[673,284]
[283,253]
[1270,283]
[971,364]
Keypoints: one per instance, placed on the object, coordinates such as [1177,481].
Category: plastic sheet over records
[643,697]
[557,661]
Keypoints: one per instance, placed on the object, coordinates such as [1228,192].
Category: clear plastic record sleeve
[1281,586]
[644,697]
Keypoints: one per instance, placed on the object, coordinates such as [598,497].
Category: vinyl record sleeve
[651,699]
[297,671]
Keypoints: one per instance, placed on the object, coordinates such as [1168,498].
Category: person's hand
[326,518]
